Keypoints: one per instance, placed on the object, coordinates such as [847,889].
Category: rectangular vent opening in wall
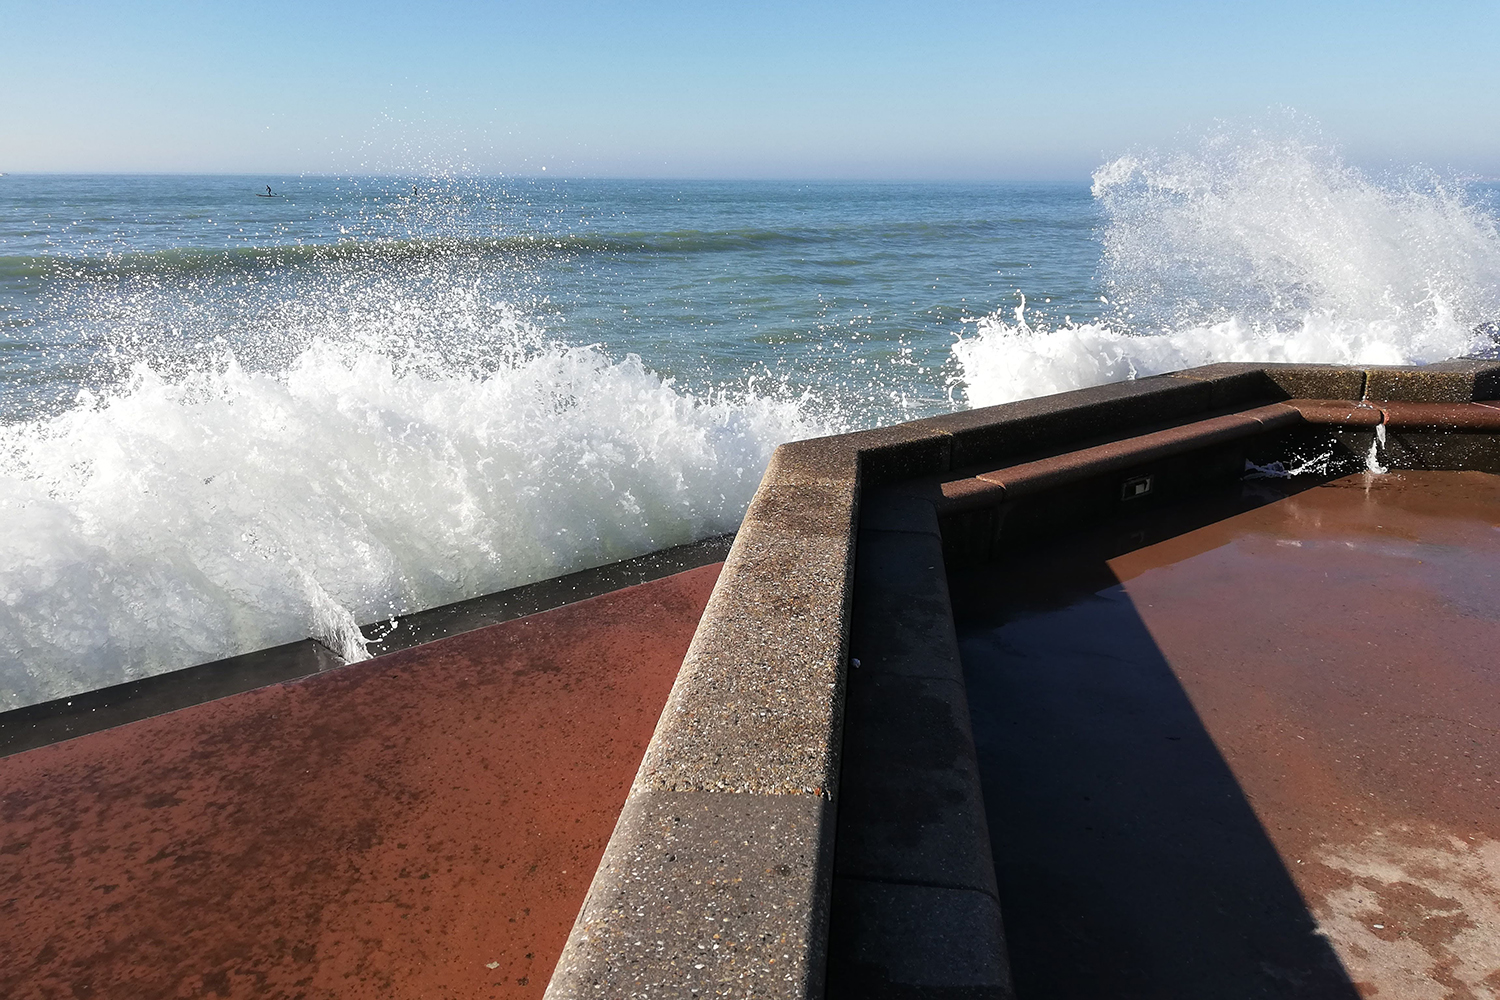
[1136,486]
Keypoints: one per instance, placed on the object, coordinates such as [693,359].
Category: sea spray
[182,519]
[1257,246]
[1372,457]
[1315,465]
[217,448]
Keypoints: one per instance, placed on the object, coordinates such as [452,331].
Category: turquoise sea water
[229,421]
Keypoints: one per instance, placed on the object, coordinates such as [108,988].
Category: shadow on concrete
[1130,863]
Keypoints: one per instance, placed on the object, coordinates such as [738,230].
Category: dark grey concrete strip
[899,509]
[902,621]
[913,843]
[64,718]
[544,595]
[916,942]
[54,721]
[912,810]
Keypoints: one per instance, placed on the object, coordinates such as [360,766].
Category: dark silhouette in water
[269,193]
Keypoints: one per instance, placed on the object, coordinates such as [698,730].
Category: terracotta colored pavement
[424,824]
[1258,757]
[1351,687]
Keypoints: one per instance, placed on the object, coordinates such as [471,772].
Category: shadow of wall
[1130,863]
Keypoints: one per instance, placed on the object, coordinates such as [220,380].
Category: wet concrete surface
[424,824]
[1255,753]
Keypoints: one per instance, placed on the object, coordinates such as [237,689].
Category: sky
[933,90]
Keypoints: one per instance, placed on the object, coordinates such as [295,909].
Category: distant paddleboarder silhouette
[269,193]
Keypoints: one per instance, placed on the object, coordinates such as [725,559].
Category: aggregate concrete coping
[717,880]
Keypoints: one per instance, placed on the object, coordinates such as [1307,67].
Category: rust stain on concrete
[424,824]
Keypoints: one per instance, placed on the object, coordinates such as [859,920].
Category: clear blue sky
[803,90]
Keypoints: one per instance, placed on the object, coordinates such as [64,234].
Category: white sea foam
[1257,247]
[182,518]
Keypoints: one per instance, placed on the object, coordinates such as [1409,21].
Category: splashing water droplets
[1258,247]
[1377,445]
[369,441]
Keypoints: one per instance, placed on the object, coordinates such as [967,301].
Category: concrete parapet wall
[717,880]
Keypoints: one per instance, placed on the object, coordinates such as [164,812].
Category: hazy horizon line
[501,175]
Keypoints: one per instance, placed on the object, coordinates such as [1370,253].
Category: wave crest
[180,519]
[1258,247]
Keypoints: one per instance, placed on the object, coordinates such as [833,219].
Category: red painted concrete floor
[1260,757]
[424,824]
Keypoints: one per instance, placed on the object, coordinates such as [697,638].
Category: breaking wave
[1257,247]
[181,518]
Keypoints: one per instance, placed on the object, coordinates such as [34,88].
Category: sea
[230,421]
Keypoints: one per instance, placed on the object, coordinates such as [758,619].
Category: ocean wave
[1258,246]
[178,519]
[387,250]
[1006,359]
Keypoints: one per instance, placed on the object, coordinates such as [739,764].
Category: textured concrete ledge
[1033,477]
[1459,381]
[1462,417]
[703,894]
[741,778]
